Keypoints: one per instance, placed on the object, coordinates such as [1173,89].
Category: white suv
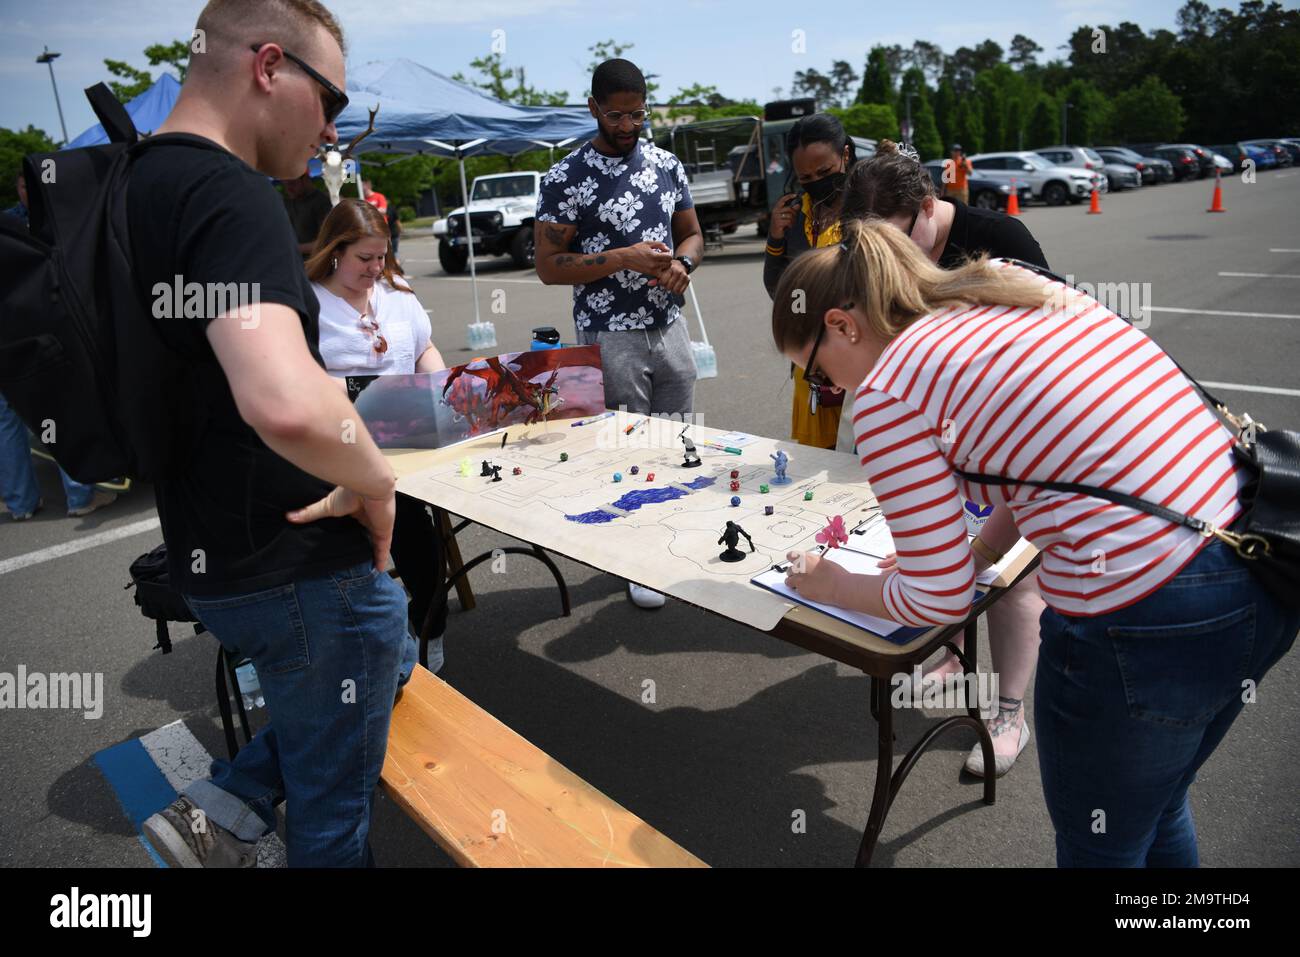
[1054,185]
[502,208]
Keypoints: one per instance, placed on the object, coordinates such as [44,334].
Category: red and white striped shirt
[1056,393]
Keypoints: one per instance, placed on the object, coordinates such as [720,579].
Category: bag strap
[1247,545]
[112,115]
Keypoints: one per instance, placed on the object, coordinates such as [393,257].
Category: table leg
[973,709]
[451,558]
[882,796]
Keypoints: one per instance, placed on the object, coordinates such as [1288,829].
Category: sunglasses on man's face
[333,101]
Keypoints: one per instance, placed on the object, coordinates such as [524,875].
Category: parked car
[985,193]
[1186,164]
[1053,185]
[1286,153]
[1264,158]
[1222,165]
[1152,170]
[1083,157]
[1202,155]
[502,208]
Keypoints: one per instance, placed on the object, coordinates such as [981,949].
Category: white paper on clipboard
[860,563]
[872,538]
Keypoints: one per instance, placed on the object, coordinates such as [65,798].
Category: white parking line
[1262,389]
[1223,312]
[1284,250]
[1261,275]
[77,545]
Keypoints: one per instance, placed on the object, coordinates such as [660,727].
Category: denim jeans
[18,485]
[330,654]
[1128,706]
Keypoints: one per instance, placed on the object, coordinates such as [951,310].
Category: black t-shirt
[975,230]
[207,217]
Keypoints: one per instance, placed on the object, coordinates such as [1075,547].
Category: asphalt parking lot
[745,730]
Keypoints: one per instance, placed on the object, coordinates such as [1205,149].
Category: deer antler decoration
[333,164]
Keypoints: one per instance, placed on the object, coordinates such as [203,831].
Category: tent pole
[469,229]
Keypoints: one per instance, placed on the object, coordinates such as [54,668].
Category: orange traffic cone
[1095,207]
[1013,202]
[1216,206]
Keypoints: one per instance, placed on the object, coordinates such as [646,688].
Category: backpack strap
[112,115]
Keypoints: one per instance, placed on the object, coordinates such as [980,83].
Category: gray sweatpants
[646,370]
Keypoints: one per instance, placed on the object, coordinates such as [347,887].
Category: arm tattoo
[553,234]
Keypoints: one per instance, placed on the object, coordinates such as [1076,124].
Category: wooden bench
[491,799]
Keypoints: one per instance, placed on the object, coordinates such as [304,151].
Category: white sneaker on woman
[1002,762]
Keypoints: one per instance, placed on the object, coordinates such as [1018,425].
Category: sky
[742,48]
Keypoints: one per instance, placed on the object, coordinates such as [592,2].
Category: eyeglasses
[817,380]
[370,326]
[333,101]
[912,225]
[616,117]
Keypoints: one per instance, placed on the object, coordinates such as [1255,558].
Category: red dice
[735,486]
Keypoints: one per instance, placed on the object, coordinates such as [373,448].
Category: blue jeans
[18,485]
[1129,705]
[330,654]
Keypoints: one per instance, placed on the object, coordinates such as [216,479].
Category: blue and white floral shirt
[616,201]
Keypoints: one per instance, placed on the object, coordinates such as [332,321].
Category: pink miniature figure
[833,535]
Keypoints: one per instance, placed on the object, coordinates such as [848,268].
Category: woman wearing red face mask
[821,154]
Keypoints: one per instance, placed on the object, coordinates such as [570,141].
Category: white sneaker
[644,597]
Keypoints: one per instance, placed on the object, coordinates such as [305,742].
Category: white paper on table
[872,538]
[736,440]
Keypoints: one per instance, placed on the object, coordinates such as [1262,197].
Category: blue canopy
[422,111]
[148,110]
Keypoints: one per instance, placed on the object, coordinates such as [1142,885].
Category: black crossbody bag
[1267,533]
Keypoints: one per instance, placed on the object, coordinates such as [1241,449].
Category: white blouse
[348,350]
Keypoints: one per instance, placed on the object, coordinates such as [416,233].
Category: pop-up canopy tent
[423,112]
[147,111]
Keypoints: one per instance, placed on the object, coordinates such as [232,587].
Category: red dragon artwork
[509,386]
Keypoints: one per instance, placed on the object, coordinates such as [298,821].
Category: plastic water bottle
[706,361]
[249,687]
[482,335]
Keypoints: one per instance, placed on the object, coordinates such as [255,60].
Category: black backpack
[156,597]
[80,359]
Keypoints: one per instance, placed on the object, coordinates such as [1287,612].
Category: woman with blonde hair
[372,324]
[1150,628]
[894,186]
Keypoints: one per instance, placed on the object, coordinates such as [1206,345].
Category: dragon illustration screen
[436,409]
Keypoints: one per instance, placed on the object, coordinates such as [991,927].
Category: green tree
[814,83]
[925,133]
[945,112]
[14,145]
[133,82]
[970,125]
[611,49]
[872,120]
[842,80]
[1148,112]
[508,84]
[1044,126]
[1089,115]
[877,81]
[1024,52]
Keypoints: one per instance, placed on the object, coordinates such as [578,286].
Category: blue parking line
[140,788]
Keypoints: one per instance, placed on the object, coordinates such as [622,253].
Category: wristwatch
[688,263]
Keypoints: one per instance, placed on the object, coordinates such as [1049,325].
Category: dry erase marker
[721,448]
[589,421]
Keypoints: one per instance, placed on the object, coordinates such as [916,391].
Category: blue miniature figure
[781,460]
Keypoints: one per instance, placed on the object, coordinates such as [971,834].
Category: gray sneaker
[97,501]
[184,837]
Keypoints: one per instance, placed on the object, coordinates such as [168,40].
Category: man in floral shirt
[615,220]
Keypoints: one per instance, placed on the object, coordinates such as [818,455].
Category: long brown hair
[886,185]
[882,272]
[349,221]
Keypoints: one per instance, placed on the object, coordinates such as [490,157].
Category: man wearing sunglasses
[615,220]
[278,528]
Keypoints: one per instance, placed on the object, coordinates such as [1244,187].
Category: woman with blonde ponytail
[894,186]
[1150,629]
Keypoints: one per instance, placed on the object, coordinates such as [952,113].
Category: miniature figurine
[496,473]
[782,460]
[487,469]
[731,536]
[768,510]
[690,458]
